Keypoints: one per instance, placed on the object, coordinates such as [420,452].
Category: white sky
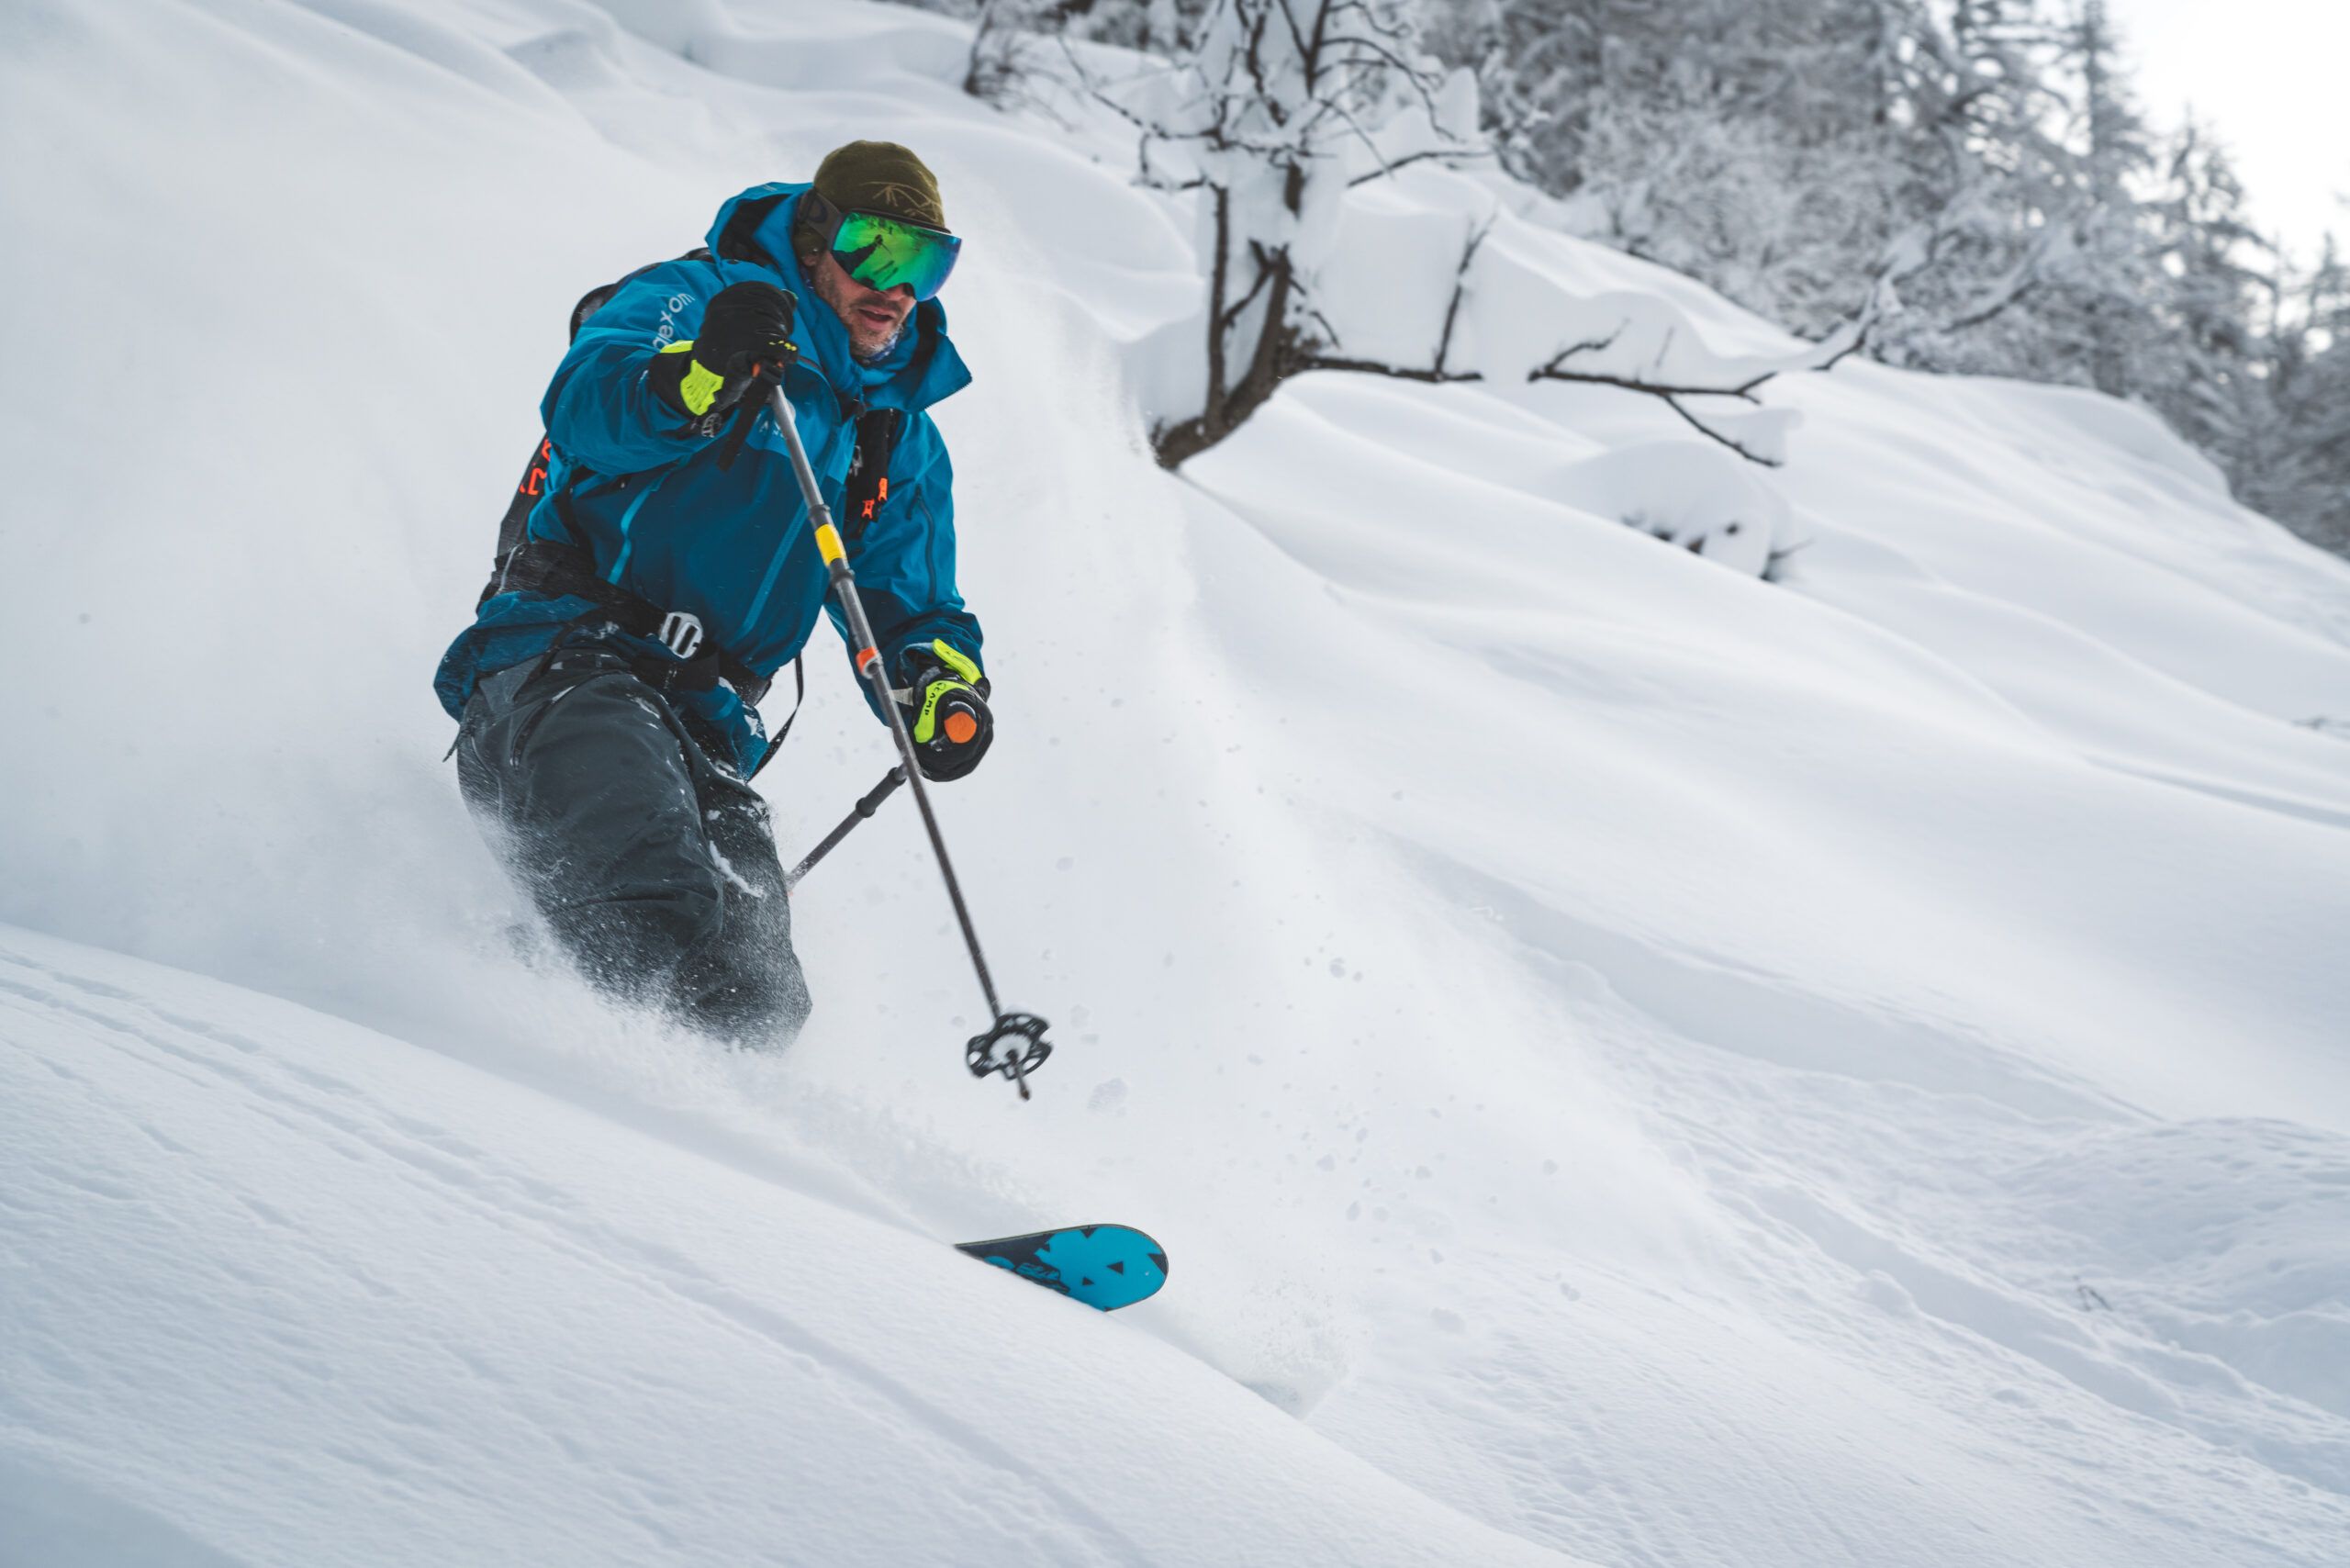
[2269,76]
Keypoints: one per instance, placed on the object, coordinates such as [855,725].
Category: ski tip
[1104,1266]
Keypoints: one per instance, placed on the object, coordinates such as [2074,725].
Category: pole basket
[1023,1036]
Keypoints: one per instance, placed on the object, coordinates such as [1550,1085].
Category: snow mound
[1703,500]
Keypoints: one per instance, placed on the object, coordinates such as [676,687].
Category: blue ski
[1104,1266]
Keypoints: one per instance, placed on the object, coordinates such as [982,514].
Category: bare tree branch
[1743,391]
[2021,288]
[1555,370]
[1671,397]
[1380,367]
[1387,168]
[1702,428]
[1460,288]
[1670,393]
[1859,341]
[1590,345]
[1239,308]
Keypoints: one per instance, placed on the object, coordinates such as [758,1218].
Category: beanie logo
[882,177]
[912,200]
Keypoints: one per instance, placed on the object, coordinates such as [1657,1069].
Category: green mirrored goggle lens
[882,252]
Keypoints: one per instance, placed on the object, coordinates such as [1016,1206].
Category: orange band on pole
[865,656]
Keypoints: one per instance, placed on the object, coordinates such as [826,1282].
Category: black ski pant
[654,865]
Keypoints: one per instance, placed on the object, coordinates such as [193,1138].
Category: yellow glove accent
[700,385]
[926,724]
[926,721]
[953,658]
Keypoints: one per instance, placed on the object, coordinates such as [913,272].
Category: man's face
[872,316]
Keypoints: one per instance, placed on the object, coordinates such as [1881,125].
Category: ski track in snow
[1632,1064]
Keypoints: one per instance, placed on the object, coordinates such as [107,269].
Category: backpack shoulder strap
[868,474]
[799,697]
[517,520]
[738,242]
[596,298]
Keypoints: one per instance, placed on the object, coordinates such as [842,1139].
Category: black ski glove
[746,328]
[946,704]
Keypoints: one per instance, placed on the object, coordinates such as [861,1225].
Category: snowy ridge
[1633,1063]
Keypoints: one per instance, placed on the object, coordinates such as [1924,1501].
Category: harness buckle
[681,633]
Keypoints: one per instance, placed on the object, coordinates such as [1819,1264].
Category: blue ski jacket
[631,484]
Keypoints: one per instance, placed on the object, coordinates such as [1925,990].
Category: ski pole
[978,1053]
[866,807]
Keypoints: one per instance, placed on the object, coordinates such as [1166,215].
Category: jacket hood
[753,229]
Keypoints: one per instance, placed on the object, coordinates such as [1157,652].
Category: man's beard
[887,344]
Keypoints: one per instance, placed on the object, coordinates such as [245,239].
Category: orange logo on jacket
[536,479]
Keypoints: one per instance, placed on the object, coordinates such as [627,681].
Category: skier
[606,691]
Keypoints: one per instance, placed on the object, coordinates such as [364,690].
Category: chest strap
[558,570]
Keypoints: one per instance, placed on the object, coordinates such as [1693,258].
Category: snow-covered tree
[1280,106]
[2107,279]
[1961,185]
[1152,27]
[2307,483]
[2212,298]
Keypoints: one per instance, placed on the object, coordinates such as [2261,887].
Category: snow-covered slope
[1663,1066]
[374,1306]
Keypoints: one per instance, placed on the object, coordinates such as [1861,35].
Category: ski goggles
[882,252]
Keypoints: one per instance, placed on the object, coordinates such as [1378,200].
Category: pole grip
[866,807]
[880,792]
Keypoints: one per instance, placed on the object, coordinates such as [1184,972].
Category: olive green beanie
[883,178]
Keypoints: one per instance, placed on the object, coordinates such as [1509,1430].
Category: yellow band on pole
[828,544]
